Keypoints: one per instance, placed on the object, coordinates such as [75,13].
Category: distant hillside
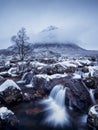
[50,50]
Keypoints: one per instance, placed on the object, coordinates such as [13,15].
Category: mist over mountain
[54,41]
[53,34]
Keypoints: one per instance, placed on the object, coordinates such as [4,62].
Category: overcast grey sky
[75,16]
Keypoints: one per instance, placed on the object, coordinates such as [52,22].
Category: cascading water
[91,92]
[30,85]
[23,77]
[70,105]
[55,90]
[56,113]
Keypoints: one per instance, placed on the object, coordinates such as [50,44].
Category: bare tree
[22,46]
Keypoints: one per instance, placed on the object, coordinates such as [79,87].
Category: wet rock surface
[92,118]
[78,95]
[40,77]
[47,82]
[7,118]
[10,93]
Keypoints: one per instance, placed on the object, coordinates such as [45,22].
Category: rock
[96,93]
[1,78]
[27,97]
[48,60]
[13,72]
[7,117]
[78,94]
[56,69]
[92,118]
[23,67]
[10,92]
[85,70]
[26,78]
[34,111]
[47,82]
[5,74]
[90,82]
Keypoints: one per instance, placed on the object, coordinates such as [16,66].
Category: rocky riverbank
[23,82]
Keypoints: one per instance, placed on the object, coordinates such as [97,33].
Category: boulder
[78,94]
[26,78]
[48,81]
[7,118]
[56,69]
[10,92]
[90,82]
[92,118]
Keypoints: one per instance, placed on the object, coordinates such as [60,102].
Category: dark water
[31,117]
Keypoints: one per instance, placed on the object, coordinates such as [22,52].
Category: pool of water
[32,116]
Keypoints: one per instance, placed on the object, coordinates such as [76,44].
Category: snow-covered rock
[92,118]
[4,113]
[12,71]
[76,76]
[9,84]
[47,82]
[7,117]
[10,92]
[26,78]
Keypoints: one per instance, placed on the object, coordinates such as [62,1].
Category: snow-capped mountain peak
[50,28]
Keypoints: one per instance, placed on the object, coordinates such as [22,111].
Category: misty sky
[79,18]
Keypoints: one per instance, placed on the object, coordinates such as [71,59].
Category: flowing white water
[56,114]
[91,92]
[55,90]
[70,105]
[22,80]
[30,85]
[23,77]
[83,118]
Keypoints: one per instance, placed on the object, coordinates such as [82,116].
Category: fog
[76,20]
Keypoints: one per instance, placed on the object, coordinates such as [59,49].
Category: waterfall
[55,90]
[22,80]
[91,92]
[55,109]
[27,79]
[23,77]
[30,85]
[70,105]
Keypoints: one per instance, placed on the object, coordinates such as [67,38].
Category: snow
[85,61]
[7,63]
[4,112]
[3,73]
[29,85]
[21,62]
[8,83]
[76,76]
[58,76]
[68,64]
[26,94]
[48,78]
[94,110]
[21,82]
[12,71]
[93,70]
[78,62]
[37,64]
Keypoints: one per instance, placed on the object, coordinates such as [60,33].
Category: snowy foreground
[25,81]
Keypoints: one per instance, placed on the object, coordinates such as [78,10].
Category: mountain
[52,42]
[50,28]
